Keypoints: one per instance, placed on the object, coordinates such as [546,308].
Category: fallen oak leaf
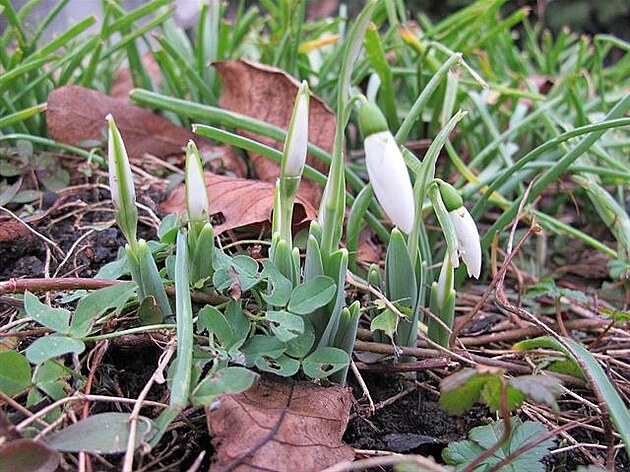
[267,94]
[280,425]
[76,114]
[241,202]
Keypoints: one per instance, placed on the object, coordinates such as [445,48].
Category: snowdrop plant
[200,232]
[292,166]
[463,242]
[392,187]
[144,272]
[468,247]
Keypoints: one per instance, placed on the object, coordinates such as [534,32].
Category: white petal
[468,239]
[196,193]
[296,153]
[390,179]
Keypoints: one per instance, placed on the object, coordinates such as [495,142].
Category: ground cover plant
[279,241]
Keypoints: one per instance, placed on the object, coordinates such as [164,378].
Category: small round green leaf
[228,380]
[52,346]
[103,433]
[310,296]
[15,373]
[283,365]
[324,362]
[286,326]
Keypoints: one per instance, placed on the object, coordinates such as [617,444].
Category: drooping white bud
[469,245]
[390,179]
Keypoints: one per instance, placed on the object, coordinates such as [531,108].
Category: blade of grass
[10,120]
[619,413]
[595,131]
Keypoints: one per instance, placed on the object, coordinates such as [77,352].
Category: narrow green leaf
[619,413]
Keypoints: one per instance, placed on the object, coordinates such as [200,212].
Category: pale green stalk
[333,203]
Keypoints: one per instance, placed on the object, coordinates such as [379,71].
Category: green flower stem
[288,191]
[136,330]
[445,222]
[427,173]
[333,203]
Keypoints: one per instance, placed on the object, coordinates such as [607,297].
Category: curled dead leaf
[280,425]
[241,202]
[76,115]
[267,94]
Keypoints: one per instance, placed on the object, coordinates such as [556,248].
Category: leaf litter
[280,425]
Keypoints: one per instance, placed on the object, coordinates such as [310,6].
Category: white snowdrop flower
[386,168]
[469,245]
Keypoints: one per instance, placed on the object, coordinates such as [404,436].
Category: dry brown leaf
[267,94]
[368,252]
[76,114]
[10,230]
[241,202]
[280,425]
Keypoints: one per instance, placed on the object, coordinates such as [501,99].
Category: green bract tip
[450,196]
[371,120]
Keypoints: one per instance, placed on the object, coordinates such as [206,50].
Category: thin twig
[135,413]
[363,386]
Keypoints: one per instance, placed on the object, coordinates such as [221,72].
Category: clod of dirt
[241,202]
[280,425]
[267,94]
[76,115]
